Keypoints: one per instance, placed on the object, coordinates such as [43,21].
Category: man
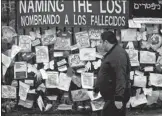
[113,76]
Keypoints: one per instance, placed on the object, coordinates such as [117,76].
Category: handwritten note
[8,91]
[87,54]
[42,54]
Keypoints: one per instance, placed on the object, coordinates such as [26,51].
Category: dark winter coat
[113,76]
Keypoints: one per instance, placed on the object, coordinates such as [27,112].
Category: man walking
[113,76]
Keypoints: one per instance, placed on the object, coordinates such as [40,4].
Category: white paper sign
[64,82]
[139,73]
[8,91]
[62,43]
[4,70]
[48,39]
[64,107]
[62,62]
[97,105]
[95,33]
[140,81]
[27,103]
[156,79]
[82,39]
[40,103]
[52,80]
[74,47]
[133,24]
[148,20]
[54,97]
[129,35]
[133,55]
[36,42]
[149,69]
[79,95]
[25,43]
[42,54]
[138,100]
[147,57]
[48,106]
[87,54]
[147,91]
[29,82]
[58,54]
[74,60]
[92,97]
[131,75]
[76,80]
[41,87]
[87,80]
[153,98]
[43,73]
[23,90]
[62,68]
[6,60]
[14,50]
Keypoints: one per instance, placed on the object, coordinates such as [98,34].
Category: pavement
[145,113]
[157,112]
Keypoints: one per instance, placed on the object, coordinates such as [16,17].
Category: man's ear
[106,41]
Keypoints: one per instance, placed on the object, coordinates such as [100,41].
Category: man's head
[108,39]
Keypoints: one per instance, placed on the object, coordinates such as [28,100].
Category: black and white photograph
[81,57]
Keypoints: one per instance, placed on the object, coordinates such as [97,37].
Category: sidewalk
[129,113]
[145,113]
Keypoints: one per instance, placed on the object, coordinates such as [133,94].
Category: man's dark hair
[109,36]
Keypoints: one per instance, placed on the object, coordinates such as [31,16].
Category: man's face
[102,45]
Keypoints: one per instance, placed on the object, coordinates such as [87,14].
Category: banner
[146,8]
[101,13]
